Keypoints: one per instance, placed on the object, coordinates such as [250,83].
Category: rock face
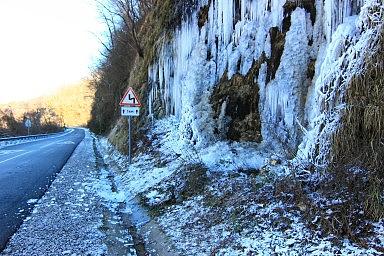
[263,70]
[235,105]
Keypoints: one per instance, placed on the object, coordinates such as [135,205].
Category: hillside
[263,123]
[71,103]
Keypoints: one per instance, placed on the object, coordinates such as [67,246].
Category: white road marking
[15,157]
[55,142]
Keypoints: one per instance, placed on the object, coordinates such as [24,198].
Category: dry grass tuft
[360,140]
[361,136]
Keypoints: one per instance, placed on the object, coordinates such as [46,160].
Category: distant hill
[73,103]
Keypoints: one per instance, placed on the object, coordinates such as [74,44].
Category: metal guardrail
[35,136]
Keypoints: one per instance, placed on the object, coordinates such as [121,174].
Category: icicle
[337,11]
[277,103]
[243,8]
[237,33]
[254,9]
[184,42]
[277,11]
[152,78]
[225,18]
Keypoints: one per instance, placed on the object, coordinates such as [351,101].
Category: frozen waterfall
[235,35]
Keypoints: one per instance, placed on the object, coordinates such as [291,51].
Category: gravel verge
[67,219]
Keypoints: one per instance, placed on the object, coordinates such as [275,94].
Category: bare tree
[124,20]
[128,15]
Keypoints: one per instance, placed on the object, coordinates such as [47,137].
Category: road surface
[26,171]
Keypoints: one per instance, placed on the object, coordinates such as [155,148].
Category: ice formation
[234,36]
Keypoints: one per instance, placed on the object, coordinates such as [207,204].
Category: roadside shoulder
[67,218]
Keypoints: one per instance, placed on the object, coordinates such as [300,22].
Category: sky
[46,44]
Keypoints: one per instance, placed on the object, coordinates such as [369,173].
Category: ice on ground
[32,201]
[236,214]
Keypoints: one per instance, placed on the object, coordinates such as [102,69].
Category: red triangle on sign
[130,99]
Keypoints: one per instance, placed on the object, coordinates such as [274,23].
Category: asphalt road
[26,171]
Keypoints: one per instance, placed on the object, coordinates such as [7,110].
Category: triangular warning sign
[130,99]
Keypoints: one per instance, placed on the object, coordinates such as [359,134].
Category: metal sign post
[130,106]
[129,140]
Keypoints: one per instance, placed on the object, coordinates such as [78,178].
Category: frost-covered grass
[226,199]
[167,154]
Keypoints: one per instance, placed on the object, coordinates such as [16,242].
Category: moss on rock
[235,102]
